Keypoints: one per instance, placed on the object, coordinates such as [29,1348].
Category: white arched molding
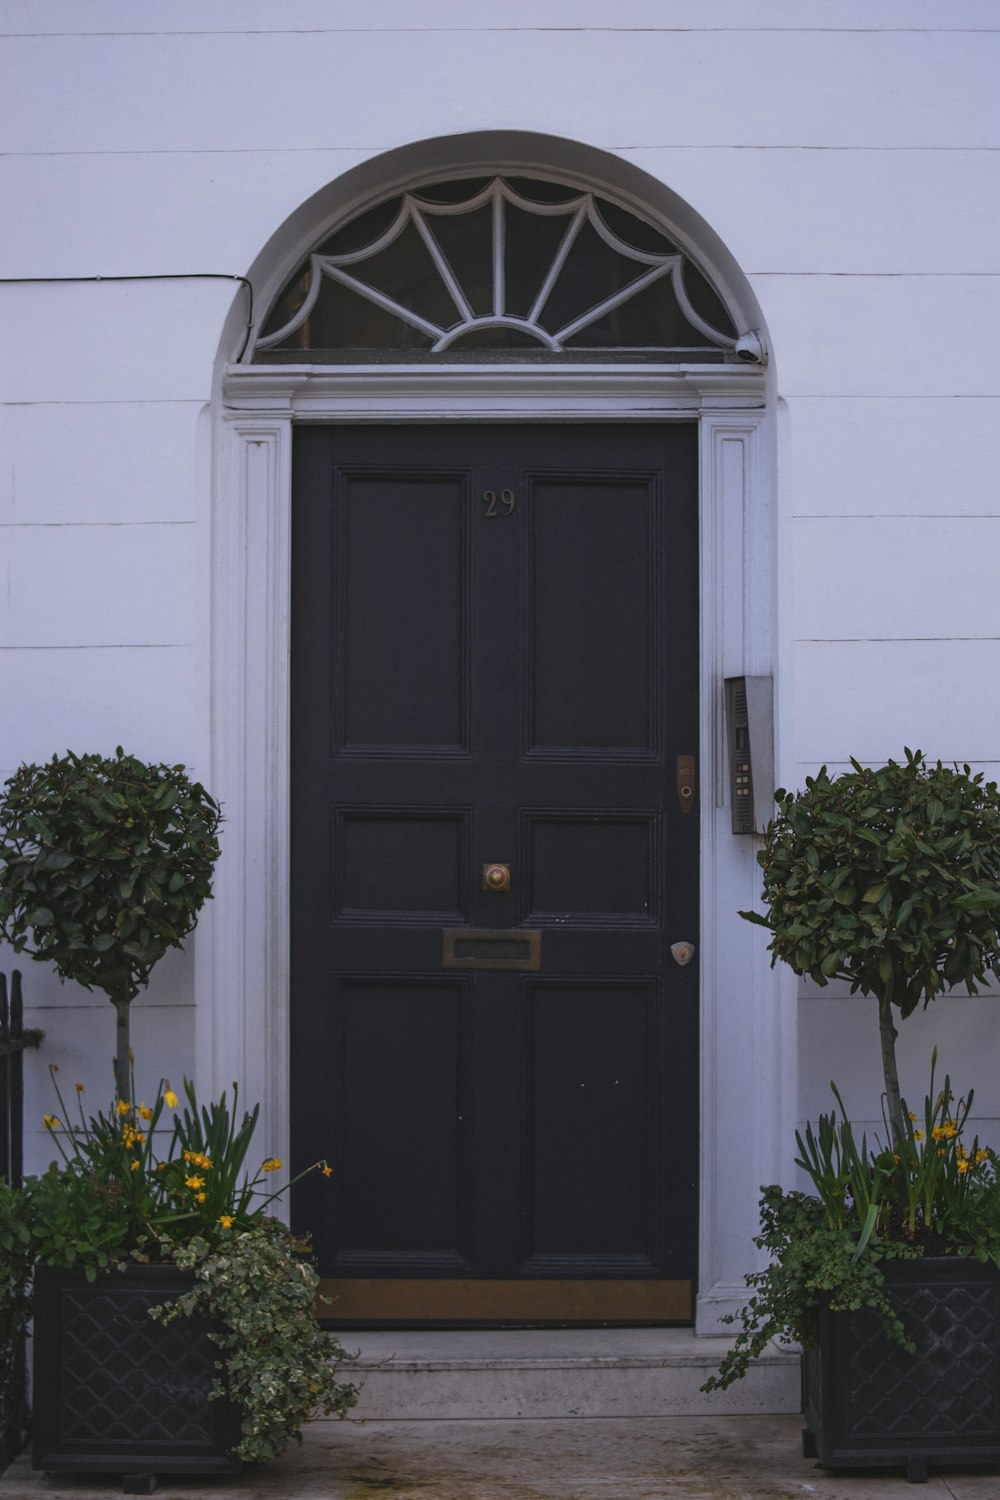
[243,1029]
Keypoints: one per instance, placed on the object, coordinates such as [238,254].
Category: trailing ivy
[813,1265]
[278,1365]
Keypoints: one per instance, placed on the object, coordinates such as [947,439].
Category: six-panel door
[495,665]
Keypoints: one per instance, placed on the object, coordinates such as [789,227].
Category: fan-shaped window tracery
[505,267]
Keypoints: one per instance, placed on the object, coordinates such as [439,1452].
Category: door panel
[494,661]
[401,652]
[591,556]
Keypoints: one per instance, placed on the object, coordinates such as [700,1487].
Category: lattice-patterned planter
[116,1392]
[870,1404]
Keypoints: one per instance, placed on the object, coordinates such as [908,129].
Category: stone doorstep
[559,1373]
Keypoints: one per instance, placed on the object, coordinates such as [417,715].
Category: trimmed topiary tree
[104,865]
[890,879]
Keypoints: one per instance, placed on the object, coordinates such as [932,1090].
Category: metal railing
[13,1041]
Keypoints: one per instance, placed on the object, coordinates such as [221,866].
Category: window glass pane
[633,230]
[285,309]
[541,191]
[343,319]
[405,272]
[531,242]
[467,243]
[362,231]
[652,319]
[706,302]
[592,272]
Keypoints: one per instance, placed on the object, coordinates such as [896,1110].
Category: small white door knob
[683,952]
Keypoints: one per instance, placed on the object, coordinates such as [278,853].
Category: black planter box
[116,1392]
[868,1403]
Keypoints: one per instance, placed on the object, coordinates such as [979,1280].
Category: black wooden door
[494,663]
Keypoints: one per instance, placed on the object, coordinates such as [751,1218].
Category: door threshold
[401,1303]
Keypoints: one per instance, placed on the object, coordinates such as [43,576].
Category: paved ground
[639,1458]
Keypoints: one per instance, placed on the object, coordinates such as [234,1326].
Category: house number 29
[507,501]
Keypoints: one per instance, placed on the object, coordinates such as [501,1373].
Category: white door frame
[243,967]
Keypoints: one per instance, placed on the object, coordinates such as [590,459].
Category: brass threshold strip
[546,1300]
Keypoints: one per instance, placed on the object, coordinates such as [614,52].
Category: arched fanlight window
[504,268]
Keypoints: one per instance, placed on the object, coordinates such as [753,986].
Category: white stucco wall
[845,153]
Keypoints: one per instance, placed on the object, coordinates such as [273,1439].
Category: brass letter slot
[491,949]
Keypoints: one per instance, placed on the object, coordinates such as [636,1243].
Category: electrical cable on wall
[152,276]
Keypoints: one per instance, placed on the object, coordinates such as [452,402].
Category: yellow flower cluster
[967,1163]
[132,1137]
[945,1132]
[272,1164]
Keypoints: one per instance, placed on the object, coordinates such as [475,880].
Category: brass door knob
[496,877]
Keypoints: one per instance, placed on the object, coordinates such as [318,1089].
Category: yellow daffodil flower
[226,1220]
[272,1164]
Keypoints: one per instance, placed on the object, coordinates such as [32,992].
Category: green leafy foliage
[16,1261]
[155,1187]
[812,1265]
[279,1366]
[929,1193]
[75,1219]
[888,878]
[154,1183]
[928,1186]
[104,865]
